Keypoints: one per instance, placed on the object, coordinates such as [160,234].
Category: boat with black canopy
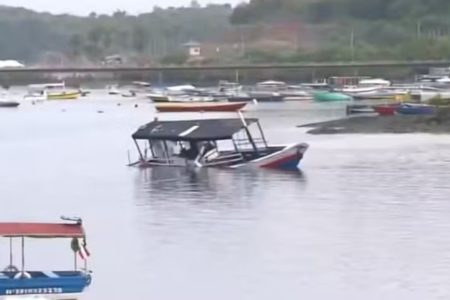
[19,282]
[225,143]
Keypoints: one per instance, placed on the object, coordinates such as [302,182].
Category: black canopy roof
[191,130]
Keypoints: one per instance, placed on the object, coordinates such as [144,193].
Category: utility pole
[419,28]
[352,44]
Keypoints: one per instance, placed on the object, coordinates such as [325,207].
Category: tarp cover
[41,230]
[191,130]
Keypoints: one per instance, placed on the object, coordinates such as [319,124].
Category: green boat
[331,96]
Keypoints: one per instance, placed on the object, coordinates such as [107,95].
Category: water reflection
[156,184]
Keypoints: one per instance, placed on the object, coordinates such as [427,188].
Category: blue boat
[415,109]
[65,284]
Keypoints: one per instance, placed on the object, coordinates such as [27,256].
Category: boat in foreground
[19,282]
[223,143]
[199,107]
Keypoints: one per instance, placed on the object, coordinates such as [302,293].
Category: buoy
[119,104]
[100,111]
[136,105]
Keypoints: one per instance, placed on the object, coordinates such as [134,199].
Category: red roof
[42,230]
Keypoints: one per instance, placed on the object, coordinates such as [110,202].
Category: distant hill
[374,29]
[32,37]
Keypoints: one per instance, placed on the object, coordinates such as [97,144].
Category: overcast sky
[84,7]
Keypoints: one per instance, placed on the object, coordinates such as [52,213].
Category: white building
[193,49]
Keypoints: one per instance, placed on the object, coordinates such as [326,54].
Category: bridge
[328,65]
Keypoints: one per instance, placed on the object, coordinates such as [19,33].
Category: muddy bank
[439,123]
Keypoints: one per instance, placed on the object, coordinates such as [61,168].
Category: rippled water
[367,218]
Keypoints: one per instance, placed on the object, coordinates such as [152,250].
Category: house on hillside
[193,49]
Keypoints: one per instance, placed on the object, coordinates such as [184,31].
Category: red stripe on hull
[276,164]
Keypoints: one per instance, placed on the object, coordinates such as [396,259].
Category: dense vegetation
[361,29]
[27,35]
[344,29]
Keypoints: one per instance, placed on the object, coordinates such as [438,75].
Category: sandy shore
[439,123]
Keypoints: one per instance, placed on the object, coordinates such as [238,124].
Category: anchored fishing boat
[415,109]
[51,91]
[19,282]
[223,143]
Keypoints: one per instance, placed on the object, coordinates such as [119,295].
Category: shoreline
[400,124]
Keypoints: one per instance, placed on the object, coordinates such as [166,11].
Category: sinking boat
[222,143]
[199,107]
[22,283]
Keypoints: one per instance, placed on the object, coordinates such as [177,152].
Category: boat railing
[242,142]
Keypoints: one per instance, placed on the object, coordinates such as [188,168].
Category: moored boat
[20,282]
[330,97]
[359,109]
[386,110]
[199,106]
[415,109]
[9,104]
[51,91]
[200,143]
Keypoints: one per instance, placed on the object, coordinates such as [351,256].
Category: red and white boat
[220,143]
[200,107]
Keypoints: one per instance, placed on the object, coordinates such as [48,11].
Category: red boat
[199,107]
[386,110]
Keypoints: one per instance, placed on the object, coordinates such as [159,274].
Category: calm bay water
[367,218]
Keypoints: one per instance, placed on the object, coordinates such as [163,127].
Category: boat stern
[286,159]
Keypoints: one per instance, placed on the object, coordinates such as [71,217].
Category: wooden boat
[386,110]
[199,107]
[195,143]
[20,282]
[415,109]
[330,97]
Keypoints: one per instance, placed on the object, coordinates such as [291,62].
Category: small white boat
[113,90]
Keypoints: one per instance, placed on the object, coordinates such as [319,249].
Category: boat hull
[200,107]
[287,158]
[64,96]
[9,104]
[57,284]
[386,110]
[415,110]
[330,97]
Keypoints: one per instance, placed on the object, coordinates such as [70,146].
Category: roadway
[330,65]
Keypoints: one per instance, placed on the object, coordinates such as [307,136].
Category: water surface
[367,218]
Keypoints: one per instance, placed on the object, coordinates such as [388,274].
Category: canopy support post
[262,134]
[10,251]
[166,152]
[23,254]
[75,261]
[247,131]
[139,149]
